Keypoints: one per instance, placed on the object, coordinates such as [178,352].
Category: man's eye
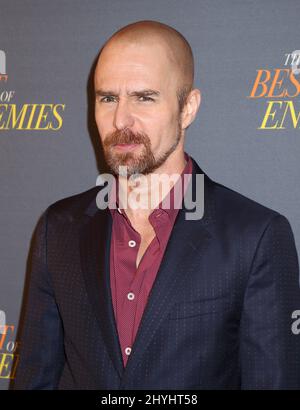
[106,99]
[144,98]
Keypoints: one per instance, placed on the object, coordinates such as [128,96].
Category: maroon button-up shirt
[130,286]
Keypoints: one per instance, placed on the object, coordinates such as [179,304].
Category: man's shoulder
[231,206]
[74,206]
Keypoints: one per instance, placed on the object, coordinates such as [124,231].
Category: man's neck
[147,190]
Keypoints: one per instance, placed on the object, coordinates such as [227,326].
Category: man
[127,298]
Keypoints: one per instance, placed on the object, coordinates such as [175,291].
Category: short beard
[143,163]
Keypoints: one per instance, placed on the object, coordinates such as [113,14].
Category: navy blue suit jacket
[219,315]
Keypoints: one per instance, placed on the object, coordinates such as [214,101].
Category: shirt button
[131,244]
[128,351]
[130,296]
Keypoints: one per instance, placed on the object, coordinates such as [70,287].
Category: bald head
[178,50]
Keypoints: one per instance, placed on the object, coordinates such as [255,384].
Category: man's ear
[190,108]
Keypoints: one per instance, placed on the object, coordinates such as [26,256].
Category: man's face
[136,107]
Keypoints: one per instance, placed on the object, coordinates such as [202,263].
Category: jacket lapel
[95,253]
[188,239]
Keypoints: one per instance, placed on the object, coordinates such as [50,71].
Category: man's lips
[126,147]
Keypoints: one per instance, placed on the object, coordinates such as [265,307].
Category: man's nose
[123,117]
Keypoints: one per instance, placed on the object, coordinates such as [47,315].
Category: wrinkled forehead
[150,62]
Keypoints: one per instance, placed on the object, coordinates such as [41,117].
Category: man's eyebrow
[105,92]
[146,92]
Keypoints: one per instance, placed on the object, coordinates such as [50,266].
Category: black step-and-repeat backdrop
[246,135]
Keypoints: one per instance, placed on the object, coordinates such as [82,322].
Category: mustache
[126,137]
